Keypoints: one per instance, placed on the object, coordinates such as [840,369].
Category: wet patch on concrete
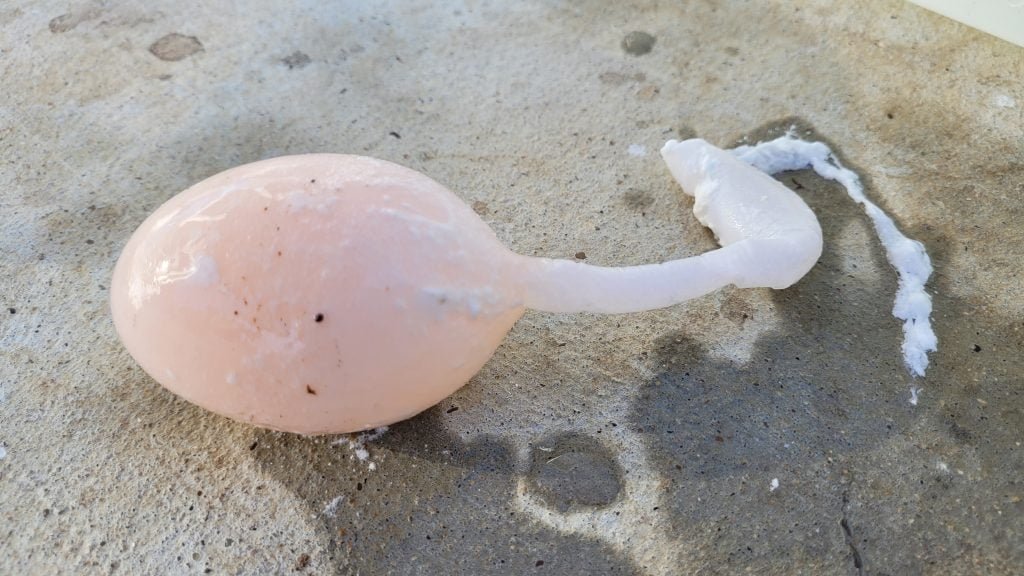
[296,59]
[71,20]
[638,43]
[571,472]
[174,47]
[638,200]
[432,496]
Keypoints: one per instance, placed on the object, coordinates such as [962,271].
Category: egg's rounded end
[315,294]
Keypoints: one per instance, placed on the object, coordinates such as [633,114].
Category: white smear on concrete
[375,434]
[774,485]
[942,466]
[1004,101]
[913,303]
[637,150]
[3,452]
[914,391]
[357,444]
[331,510]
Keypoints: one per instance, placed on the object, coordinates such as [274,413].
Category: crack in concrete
[858,562]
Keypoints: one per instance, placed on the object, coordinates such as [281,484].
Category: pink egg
[320,293]
[328,293]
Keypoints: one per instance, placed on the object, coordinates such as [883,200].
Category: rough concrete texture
[635,444]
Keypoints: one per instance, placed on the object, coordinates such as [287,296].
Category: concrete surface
[640,444]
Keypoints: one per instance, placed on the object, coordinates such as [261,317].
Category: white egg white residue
[914,395]
[331,509]
[357,444]
[913,304]
[3,452]
[637,150]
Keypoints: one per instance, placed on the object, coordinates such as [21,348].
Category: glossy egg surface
[319,293]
